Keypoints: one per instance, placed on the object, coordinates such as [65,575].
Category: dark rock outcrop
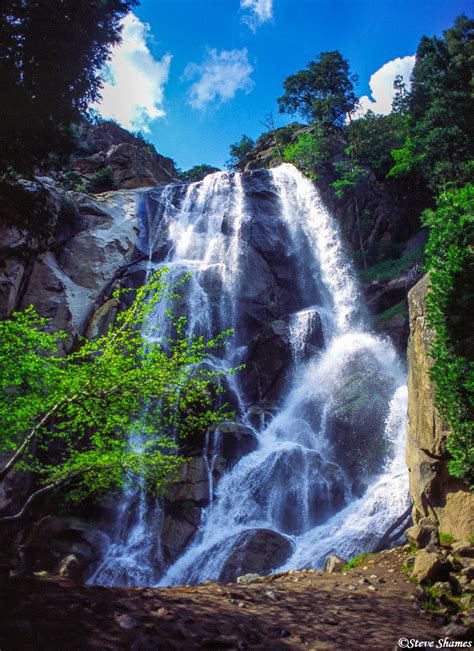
[133,162]
[256,551]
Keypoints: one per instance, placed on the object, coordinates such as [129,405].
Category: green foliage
[68,419]
[197,173]
[441,104]
[323,92]
[354,562]
[376,136]
[400,308]
[391,267]
[308,152]
[350,176]
[446,538]
[238,151]
[50,61]
[102,181]
[450,260]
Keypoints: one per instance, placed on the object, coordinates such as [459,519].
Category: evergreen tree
[50,57]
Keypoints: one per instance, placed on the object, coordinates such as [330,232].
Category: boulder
[430,567]
[194,484]
[358,406]
[422,534]
[235,441]
[175,535]
[256,551]
[334,563]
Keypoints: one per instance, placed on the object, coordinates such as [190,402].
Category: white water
[292,483]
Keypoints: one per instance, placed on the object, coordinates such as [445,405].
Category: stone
[134,164]
[423,533]
[70,568]
[463,548]
[248,578]
[194,484]
[235,441]
[175,535]
[430,567]
[446,501]
[256,551]
[334,563]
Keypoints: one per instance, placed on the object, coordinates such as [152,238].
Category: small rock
[248,578]
[372,588]
[271,594]
[463,548]
[364,581]
[381,580]
[352,586]
[125,621]
[334,563]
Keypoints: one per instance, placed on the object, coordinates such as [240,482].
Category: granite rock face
[436,495]
[134,164]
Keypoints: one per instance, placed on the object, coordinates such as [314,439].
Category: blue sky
[194,75]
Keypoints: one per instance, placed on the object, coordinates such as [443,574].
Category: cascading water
[327,472]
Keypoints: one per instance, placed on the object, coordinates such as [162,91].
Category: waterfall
[323,397]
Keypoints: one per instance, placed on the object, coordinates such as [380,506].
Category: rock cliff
[436,495]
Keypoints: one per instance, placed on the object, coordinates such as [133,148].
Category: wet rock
[323,481]
[194,484]
[175,536]
[256,551]
[334,563]
[358,407]
[235,441]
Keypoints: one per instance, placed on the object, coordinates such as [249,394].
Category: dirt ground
[369,607]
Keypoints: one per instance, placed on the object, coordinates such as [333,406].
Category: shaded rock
[257,551]
[175,535]
[430,567]
[463,548]
[235,441]
[423,533]
[62,545]
[334,563]
[194,484]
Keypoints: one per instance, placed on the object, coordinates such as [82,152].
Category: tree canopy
[197,173]
[239,150]
[323,92]
[50,59]
[69,420]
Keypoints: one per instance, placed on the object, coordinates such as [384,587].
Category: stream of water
[328,472]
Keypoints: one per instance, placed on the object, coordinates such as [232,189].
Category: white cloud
[260,11]
[134,90]
[219,77]
[381,85]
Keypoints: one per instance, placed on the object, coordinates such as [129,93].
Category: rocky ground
[368,607]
